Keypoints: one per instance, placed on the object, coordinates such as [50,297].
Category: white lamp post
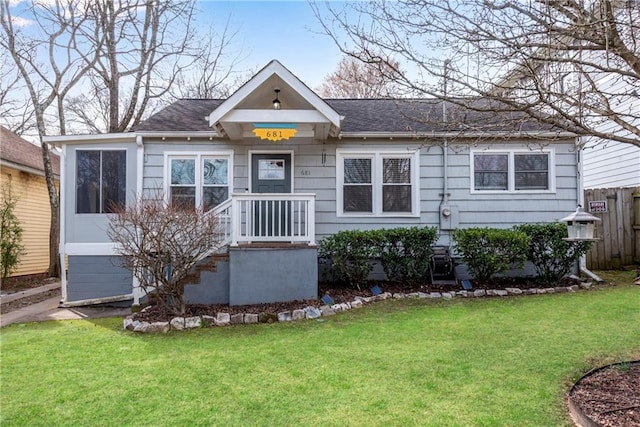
[580,225]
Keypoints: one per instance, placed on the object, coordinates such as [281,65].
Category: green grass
[483,362]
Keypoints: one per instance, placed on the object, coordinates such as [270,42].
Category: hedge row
[405,252]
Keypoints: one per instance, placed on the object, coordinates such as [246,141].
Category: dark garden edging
[577,413]
[311,312]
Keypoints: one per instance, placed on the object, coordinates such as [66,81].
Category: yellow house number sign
[274,131]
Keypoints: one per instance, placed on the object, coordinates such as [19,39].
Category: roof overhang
[252,103]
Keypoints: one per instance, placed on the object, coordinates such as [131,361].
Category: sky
[284,30]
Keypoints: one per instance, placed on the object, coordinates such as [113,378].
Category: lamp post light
[580,225]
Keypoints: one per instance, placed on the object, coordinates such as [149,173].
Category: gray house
[283,168]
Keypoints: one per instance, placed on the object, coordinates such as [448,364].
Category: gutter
[461,134]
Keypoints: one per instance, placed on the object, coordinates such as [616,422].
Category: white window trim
[377,181]
[511,171]
[75,176]
[197,155]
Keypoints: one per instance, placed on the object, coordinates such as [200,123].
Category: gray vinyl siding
[92,228]
[311,176]
[97,277]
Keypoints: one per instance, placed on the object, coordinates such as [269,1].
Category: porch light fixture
[276,102]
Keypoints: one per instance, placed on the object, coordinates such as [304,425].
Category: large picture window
[198,180]
[377,183]
[512,171]
[100,180]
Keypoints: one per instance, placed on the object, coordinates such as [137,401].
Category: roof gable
[252,103]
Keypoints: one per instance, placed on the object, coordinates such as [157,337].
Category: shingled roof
[366,115]
[20,152]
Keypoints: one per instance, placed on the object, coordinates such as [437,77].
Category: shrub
[11,248]
[552,256]
[490,251]
[405,252]
[350,253]
[161,244]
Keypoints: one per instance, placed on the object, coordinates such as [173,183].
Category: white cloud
[21,22]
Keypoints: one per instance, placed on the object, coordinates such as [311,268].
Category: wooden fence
[619,230]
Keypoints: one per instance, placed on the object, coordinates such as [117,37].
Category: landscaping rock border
[312,312]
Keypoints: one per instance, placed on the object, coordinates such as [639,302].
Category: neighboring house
[301,172]
[22,168]
[607,163]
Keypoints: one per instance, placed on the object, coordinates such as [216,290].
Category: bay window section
[183,183]
[198,181]
[531,172]
[357,190]
[491,171]
[396,185]
[215,175]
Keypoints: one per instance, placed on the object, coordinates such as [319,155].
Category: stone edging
[311,312]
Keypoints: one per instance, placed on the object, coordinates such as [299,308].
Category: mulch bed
[611,396]
[157,313]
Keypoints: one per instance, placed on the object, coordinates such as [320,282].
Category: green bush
[405,252]
[11,248]
[552,256]
[350,253]
[491,251]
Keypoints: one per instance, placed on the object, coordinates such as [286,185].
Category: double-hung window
[512,171]
[199,180]
[377,183]
[100,180]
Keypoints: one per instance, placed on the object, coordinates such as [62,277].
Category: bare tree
[161,245]
[213,74]
[49,82]
[356,79]
[572,64]
[94,66]
[144,45]
[15,110]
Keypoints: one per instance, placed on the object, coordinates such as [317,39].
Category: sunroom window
[100,180]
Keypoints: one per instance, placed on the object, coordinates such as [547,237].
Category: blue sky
[282,30]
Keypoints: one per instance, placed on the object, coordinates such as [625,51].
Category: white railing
[224,226]
[272,217]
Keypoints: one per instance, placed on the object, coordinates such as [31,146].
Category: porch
[267,251]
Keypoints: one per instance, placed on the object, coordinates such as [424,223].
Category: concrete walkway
[49,309]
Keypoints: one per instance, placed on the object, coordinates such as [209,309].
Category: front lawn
[480,362]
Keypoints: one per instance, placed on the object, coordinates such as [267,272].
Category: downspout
[135,285]
[580,198]
[62,239]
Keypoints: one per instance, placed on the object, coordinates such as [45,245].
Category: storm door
[271,173]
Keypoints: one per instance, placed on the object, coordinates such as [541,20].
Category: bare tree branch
[355,79]
[571,64]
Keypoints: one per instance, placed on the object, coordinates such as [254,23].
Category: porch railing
[265,217]
[272,217]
